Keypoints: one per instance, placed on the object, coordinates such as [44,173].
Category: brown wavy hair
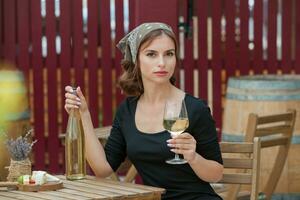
[130,80]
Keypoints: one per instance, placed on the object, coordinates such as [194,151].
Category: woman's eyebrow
[171,50]
[152,50]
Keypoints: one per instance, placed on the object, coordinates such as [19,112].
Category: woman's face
[157,59]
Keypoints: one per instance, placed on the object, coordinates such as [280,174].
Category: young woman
[150,59]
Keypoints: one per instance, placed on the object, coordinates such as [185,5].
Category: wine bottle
[74,146]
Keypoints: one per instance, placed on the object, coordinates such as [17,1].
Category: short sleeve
[204,132]
[115,148]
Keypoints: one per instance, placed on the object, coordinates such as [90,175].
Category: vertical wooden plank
[297,62]
[93,61]
[23,36]
[37,66]
[258,18]
[10,31]
[106,63]
[202,13]
[286,64]
[244,42]
[1,29]
[65,56]
[230,47]
[188,60]
[77,30]
[165,11]
[272,47]
[216,62]
[119,35]
[51,66]
[132,14]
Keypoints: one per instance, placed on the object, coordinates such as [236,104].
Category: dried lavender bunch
[20,148]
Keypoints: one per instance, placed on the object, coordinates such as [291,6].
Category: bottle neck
[74,112]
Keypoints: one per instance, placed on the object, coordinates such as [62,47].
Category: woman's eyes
[170,54]
[152,54]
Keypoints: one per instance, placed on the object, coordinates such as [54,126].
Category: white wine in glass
[175,121]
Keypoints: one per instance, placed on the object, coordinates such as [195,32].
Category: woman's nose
[161,61]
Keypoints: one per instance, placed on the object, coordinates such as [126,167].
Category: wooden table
[89,188]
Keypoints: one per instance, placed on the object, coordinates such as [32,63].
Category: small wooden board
[45,187]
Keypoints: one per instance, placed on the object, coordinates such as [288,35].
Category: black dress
[148,152]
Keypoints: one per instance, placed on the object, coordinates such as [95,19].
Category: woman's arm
[207,170]
[95,154]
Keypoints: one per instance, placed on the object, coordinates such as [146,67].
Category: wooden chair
[274,130]
[241,161]
[127,168]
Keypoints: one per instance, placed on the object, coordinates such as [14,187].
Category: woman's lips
[161,73]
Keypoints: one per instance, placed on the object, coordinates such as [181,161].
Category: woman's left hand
[184,144]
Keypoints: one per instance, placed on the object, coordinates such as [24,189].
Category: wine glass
[175,121]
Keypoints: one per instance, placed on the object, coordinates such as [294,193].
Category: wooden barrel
[14,112]
[263,95]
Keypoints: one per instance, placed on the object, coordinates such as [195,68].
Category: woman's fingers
[79,93]
[69,106]
[75,99]
[72,96]
[68,89]
[72,102]
[184,141]
[69,103]
[72,99]
[185,146]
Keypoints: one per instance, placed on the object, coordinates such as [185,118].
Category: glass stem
[176,156]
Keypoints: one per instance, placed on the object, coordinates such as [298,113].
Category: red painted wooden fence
[55,49]
[258,53]
[39,109]
[297,56]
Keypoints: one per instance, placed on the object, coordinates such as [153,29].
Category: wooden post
[146,11]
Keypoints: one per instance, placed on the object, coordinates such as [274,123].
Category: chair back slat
[236,147]
[284,129]
[241,163]
[241,178]
[275,118]
[275,141]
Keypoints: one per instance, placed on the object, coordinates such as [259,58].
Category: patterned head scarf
[130,44]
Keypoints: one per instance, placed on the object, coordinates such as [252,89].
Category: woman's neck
[157,93]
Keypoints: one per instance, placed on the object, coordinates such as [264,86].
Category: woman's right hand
[73,101]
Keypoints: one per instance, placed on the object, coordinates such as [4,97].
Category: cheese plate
[53,185]
[45,187]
